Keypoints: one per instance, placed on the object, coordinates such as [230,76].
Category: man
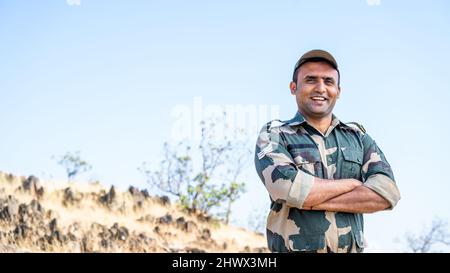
[321,174]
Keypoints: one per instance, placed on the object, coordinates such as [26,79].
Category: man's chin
[318,114]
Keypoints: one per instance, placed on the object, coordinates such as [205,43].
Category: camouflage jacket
[289,155]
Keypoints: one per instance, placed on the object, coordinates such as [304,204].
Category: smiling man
[321,174]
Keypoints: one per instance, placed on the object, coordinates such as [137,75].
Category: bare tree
[437,234]
[174,172]
[240,158]
[207,189]
[73,164]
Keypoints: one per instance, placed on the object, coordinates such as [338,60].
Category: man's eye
[310,80]
[329,82]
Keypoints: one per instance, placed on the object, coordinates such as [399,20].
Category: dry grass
[69,217]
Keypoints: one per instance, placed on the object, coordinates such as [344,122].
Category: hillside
[44,216]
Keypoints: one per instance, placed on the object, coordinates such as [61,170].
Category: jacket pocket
[307,159]
[352,163]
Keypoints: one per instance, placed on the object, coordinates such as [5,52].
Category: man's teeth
[318,98]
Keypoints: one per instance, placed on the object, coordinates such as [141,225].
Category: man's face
[316,90]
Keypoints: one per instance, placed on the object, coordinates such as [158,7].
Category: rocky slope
[38,216]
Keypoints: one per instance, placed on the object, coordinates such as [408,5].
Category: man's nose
[320,87]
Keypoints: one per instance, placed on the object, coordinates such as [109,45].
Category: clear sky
[104,77]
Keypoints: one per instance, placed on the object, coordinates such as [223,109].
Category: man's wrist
[353,183]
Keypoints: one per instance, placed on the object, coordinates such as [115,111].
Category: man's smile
[318,98]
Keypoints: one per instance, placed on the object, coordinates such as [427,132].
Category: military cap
[314,56]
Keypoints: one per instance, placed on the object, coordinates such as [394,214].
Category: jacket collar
[298,119]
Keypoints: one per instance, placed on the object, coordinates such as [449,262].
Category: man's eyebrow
[317,77]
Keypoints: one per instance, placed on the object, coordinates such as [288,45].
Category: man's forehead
[317,69]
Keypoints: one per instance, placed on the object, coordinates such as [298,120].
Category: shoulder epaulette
[356,126]
[275,123]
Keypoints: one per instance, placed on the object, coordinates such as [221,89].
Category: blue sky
[103,77]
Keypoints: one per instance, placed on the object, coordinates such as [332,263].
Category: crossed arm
[285,182]
[344,195]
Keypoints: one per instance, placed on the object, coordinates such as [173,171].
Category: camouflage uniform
[289,155]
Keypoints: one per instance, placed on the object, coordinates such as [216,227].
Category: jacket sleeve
[277,170]
[377,173]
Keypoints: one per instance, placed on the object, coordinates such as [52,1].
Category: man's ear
[293,87]
[339,92]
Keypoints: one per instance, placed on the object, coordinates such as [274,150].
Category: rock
[134,191]
[69,196]
[119,233]
[21,231]
[163,200]
[9,209]
[56,237]
[23,212]
[157,229]
[138,197]
[145,194]
[108,198]
[40,192]
[106,243]
[166,219]
[87,244]
[194,250]
[31,184]
[13,206]
[144,239]
[206,234]
[73,231]
[184,225]
[180,222]
[36,207]
[53,225]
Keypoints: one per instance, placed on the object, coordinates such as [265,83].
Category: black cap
[315,56]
